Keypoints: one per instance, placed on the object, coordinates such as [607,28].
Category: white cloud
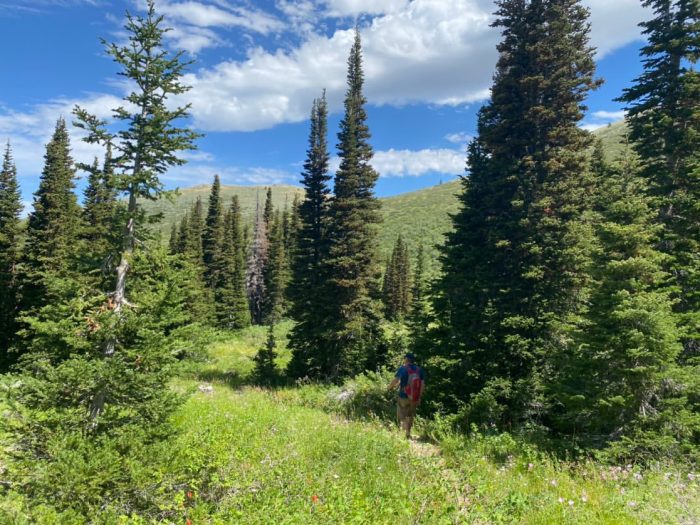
[615,23]
[29,132]
[414,163]
[458,138]
[341,8]
[612,116]
[194,174]
[599,119]
[222,15]
[423,51]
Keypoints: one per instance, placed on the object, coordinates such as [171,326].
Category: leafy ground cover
[311,454]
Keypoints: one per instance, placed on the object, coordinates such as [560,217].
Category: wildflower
[571,503]
[553,483]
[584,497]
[314,498]
[188,522]
[561,500]
[632,503]
[638,476]
[622,490]
[692,477]
[335,476]
[189,495]
[530,466]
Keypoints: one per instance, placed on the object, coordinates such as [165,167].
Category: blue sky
[259,64]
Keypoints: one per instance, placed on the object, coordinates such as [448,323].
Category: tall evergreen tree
[233,311]
[615,381]
[174,241]
[10,231]
[213,235]
[276,271]
[257,262]
[269,210]
[396,289]
[53,227]
[100,215]
[664,119]
[352,322]
[515,266]
[311,251]
[147,145]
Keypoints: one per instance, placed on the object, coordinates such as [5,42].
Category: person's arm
[393,383]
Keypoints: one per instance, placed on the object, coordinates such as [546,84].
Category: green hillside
[613,137]
[174,210]
[421,216]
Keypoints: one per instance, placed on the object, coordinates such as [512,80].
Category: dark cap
[410,357]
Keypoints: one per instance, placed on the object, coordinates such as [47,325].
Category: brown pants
[405,409]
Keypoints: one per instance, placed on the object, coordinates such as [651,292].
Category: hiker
[411,380]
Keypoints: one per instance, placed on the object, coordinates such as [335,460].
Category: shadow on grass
[230,378]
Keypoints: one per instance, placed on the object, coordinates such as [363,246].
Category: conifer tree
[233,311]
[100,215]
[201,298]
[276,271]
[194,245]
[53,227]
[268,212]
[182,233]
[213,235]
[146,146]
[174,241]
[257,263]
[311,251]
[515,266]
[663,109]
[418,287]
[354,310]
[10,231]
[615,379]
[396,289]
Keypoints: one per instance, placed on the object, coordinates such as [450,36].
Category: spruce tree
[10,231]
[276,271]
[174,241]
[515,266]
[615,380]
[232,311]
[53,228]
[396,289]
[201,300]
[146,146]
[100,216]
[310,252]
[257,264]
[269,210]
[663,115]
[213,235]
[354,312]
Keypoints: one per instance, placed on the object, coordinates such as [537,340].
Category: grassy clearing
[291,456]
[330,455]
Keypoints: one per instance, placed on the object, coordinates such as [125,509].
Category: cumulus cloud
[414,163]
[30,131]
[599,119]
[341,8]
[458,138]
[222,15]
[193,174]
[423,51]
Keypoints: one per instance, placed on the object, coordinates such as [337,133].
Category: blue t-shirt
[402,375]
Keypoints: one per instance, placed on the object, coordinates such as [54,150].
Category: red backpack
[413,387]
